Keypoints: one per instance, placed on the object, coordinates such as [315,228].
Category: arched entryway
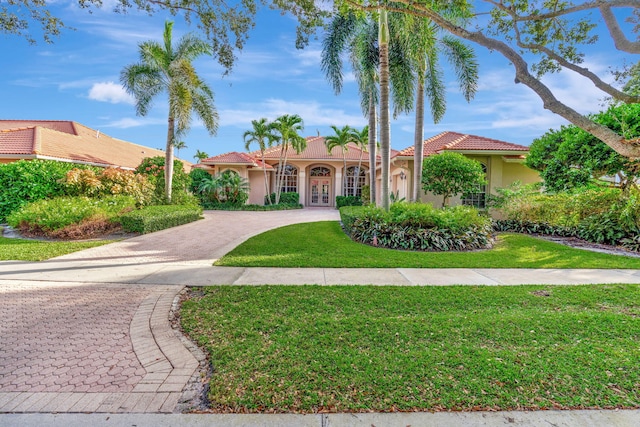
[320,186]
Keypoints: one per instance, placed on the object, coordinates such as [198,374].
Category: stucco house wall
[503,162]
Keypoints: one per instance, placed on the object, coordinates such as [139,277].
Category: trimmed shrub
[599,215]
[416,226]
[109,181]
[280,207]
[27,181]
[348,201]
[153,169]
[285,199]
[47,216]
[160,217]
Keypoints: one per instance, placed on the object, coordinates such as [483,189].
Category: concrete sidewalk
[583,418]
[201,273]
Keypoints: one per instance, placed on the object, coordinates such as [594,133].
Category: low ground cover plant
[324,244]
[599,215]
[418,226]
[71,217]
[349,348]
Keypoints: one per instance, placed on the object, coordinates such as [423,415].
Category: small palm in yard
[343,136]
[168,68]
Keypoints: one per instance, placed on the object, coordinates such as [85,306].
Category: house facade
[68,141]
[318,175]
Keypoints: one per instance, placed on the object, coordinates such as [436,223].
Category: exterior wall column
[302,186]
[339,188]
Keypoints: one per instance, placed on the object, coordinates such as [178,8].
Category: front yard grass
[349,348]
[36,250]
[324,244]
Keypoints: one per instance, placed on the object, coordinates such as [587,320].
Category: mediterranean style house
[319,175]
[68,141]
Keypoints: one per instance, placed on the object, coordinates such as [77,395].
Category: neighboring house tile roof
[69,141]
[235,158]
[454,141]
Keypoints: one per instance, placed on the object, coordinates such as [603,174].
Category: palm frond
[465,64]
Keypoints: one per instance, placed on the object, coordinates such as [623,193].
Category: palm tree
[361,139]
[385,126]
[179,145]
[425,46]
[200,155]
[262,134]
[341,139]
[288,127]
[359,36]
[168,68]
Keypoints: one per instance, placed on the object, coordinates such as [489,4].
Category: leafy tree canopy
[226,25]
[571,157]
[449,174]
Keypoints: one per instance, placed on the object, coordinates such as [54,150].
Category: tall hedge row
[27,181]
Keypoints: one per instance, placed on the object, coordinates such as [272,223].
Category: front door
[320,191]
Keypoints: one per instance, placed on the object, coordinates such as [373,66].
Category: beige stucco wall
[500,174]
[304,168]
[256,187]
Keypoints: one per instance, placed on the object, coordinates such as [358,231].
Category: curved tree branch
[621,41]
[550,102]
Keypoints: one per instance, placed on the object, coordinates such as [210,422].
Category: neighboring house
[317,175]
[68,141]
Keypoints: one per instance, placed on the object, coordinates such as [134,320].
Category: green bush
[153,169]
[27,181]
[109,181]
[54,214]
[348,201]
[280,207]
[285,199]
[599,215]
[160,217]
[224,190]
[416,226]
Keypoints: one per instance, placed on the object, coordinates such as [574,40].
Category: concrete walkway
[89,332]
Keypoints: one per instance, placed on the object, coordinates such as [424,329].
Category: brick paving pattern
[58,338]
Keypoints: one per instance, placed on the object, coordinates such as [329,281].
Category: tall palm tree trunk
[385,131]
[266,184]
[373,132]
[418,142]
[356,184]
[168,159]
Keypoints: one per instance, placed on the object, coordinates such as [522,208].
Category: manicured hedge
[418,226]
[279,207]
[285,199]
[156,218]
[348,201]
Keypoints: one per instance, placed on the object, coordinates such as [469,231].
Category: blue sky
[77,78]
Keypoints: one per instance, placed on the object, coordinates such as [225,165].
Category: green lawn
[324,244]
[349,348]
[35,250]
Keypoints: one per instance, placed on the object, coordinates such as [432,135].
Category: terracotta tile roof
[235,158]
[316,150]
[70,141]
[454,141]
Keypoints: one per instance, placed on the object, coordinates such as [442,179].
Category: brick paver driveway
[70,344]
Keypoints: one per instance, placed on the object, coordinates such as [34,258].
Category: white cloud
[129,122]
[312,112]
[110,92]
